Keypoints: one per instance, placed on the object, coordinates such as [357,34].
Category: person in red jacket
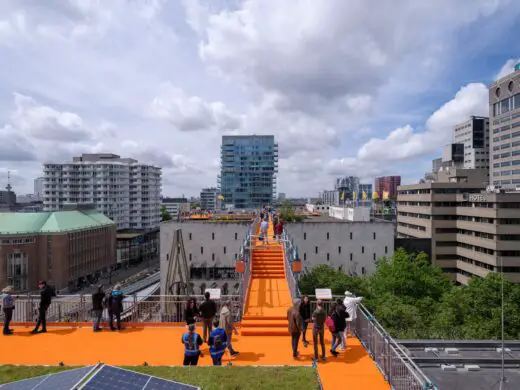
[278,230]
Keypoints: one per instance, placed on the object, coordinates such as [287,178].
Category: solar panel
[113,378]
[65,380]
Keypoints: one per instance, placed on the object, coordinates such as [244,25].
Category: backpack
[330,324]
[217,342]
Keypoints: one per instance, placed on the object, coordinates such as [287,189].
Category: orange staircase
[268,296]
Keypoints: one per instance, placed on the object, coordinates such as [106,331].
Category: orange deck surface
[161,346]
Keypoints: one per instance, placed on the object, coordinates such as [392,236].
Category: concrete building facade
[62,247]
[504,111]
[126,191]
[474,135]
[473,232]
[176,206]
[38,187]
[209,199]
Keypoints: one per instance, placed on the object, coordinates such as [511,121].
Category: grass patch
[207,378]
[10,373]
[238,378]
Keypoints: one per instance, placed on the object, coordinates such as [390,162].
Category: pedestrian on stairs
[263,230]
[293,317]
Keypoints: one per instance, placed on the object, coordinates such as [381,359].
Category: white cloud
[405,142]
[191,113]
[507,68]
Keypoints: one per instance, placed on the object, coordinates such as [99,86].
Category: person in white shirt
[263,230]
[350,303]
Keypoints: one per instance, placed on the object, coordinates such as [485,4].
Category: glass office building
[248,167]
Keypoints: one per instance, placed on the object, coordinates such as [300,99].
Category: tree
[165,215]
[324,276]
[287,212]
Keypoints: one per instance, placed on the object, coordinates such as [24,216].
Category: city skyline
[193,74]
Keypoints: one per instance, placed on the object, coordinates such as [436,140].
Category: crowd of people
[338,321]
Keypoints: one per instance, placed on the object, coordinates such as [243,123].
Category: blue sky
[345,90]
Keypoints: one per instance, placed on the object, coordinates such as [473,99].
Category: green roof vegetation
[51,222]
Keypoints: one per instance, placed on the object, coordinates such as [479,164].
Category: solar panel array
[105,378]
[65,380]
[113,378]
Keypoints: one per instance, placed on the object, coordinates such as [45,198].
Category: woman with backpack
[217,343]
[192,342]
[336,324]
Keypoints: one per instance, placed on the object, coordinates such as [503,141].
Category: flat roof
[466,364]
[127,236]
[51,222]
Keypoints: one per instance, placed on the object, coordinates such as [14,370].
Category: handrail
[289,251]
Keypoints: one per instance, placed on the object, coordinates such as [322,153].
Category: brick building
[389,184]
[65,248]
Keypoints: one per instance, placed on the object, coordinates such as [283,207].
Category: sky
[348,87]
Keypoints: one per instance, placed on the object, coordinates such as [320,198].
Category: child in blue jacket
[217,342]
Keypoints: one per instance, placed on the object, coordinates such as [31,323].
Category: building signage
[323,293]
[214,293]
[477,198]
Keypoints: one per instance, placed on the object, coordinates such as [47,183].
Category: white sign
[323,293]
[214,293]
[477,198]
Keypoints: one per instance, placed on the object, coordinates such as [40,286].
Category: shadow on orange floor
[162,347]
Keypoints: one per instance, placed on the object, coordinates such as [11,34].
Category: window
[213,256]
[224,250]
[386,249]
[167,257]
[363,270]
[351,257]
[201,250]
[212,236]
[236,236]
[374,257]
[304,236]
[374,235]
[316,249]
[328,235]
[351,235]
[362,249]
[189,236]
[305,256]
[339,250]
[190,256]
[328,256]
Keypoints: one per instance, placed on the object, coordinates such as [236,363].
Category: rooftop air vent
[448,367]
[451,351]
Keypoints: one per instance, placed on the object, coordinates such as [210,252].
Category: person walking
[293,318]
[305,318]
[226,322]
[192,342]
[46,295]
[8,308]
[342,312]
[217,343]
[318,331]
[115,306]
[351,302]
[338,319]
[97,307]
[191,313]
[208,309]
[264,226]
[278,230]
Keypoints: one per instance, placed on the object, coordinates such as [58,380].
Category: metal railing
[136,308]
[395,364]
[290,254]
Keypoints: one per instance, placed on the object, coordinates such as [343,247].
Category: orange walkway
[265,318]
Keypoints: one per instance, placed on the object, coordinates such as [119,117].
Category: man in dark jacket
[305,318]
[318,331]
[46,294]
[338,316]
[115,306]
[293,317]
[207,309]
[97,307]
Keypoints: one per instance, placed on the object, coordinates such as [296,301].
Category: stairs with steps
[269,296]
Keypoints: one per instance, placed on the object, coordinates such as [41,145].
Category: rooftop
[51,222]
[466,365]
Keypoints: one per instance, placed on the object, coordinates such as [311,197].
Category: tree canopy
[287,212]
[413,299]
[165,215]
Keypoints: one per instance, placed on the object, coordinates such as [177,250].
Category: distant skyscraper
[504,148]
[366,188]
[474,134]
[208,199]
[347,186]
[126,191]
[248,164]
[38,187]
[387,184]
